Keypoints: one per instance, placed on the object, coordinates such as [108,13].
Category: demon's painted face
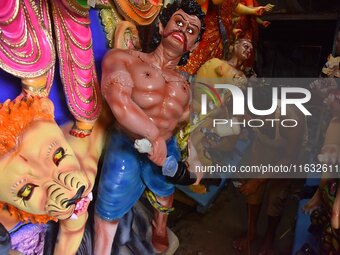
[243,49]
[181,32]
[42,175]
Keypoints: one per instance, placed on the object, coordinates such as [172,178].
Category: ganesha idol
[41,178]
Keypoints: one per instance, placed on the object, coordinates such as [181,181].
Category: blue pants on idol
[126,173]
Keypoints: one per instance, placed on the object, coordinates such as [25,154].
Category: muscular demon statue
[150,100]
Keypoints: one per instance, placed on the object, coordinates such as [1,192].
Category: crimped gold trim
[94,98]
[21,74]
[45,15]
[50,77]
[82,98]
[23,55]
[29,74]
[35,8]
[35,42]
[15,14]
[69,93]
[82,110]
[79,81]
[16,45]
[40,8]
[64,29]
[76,89]
[78,21]
[74,6]
[85,67]
[44,12]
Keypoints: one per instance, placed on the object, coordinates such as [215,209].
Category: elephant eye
[58,156]
[26,191]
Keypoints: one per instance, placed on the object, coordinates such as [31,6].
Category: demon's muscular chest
[160,93]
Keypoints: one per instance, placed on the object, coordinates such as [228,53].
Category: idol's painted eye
[190,30]
[26,191]
[58,156]
[179,23]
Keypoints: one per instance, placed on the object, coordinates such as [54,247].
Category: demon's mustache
[185,44]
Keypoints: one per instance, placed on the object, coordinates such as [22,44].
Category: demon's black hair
[190,7]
